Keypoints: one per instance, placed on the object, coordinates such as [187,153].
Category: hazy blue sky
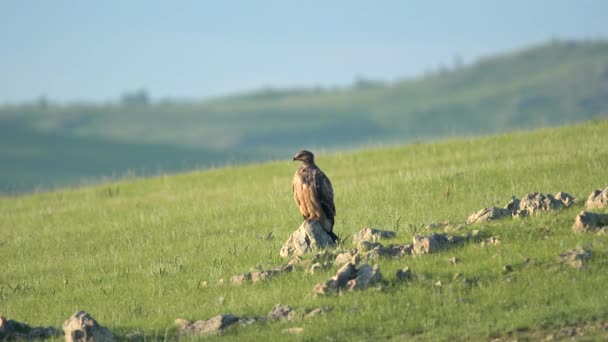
[95,50]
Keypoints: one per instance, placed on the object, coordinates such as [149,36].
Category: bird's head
[305,157]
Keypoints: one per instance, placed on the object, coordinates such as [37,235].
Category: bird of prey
[313,193]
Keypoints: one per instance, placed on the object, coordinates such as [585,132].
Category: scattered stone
[507,268]
[536,202]
[240,279]
[602,231]
[404,274]
[257,276]
[454,260]
[294,330]
[135,336]
[308,237]
[366,276]
[585,221]
[343,258]
[83,327]
[373,235]
[14,330]
[439,284]
[213,325]
[576,257]
[396,251]
[513,204]
[317,267]
[488,214]
[366,246]
[348,277]
[491,241]
[318,311]
[430,243]
[181,323]
[281,313]
[597,199]
[531,204]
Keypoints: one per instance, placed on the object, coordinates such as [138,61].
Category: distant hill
[551,84]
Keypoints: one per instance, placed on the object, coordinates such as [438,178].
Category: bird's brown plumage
[313,193]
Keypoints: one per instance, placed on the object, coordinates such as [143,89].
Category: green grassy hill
[551,84]
[134,253]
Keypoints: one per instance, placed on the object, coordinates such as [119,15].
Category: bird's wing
[295,186]
[325,194]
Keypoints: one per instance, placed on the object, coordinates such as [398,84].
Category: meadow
[134,253]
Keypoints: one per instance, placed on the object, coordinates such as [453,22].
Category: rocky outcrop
[529,205]
[597,199]
[14,330]
[281,312]
[537,202]
[373,235]
[430,243]
[587,221]
[576,257]
[82,327]
[348,277]
[488,214]
[308,237]
[214,325]
[257,276]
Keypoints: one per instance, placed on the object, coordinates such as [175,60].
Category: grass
[134,253]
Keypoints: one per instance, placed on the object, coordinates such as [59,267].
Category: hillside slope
[547,85]
[138,254]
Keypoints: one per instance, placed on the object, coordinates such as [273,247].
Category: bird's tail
[334,237]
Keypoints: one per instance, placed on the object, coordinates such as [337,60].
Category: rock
[317,311]
[575,258]
[181,323]
[213,325]
[135,336]
[404,274]
[536,202]
[308,237]
[393,251]
[439,284]
[343,258]
[373,235]
[281,313]
[585,221]
[491,241]
[565,198]
[13,330]
[83,327]
[488,214]
[257,276]
[429,243]
[240,279]
[338,281]
[318,267]
[513,204]
[294,330]
[507,268]
[366,246]
[597,199]
[366,276]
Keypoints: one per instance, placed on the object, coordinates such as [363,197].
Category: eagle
[313,193]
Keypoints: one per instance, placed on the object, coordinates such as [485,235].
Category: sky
[84,50]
